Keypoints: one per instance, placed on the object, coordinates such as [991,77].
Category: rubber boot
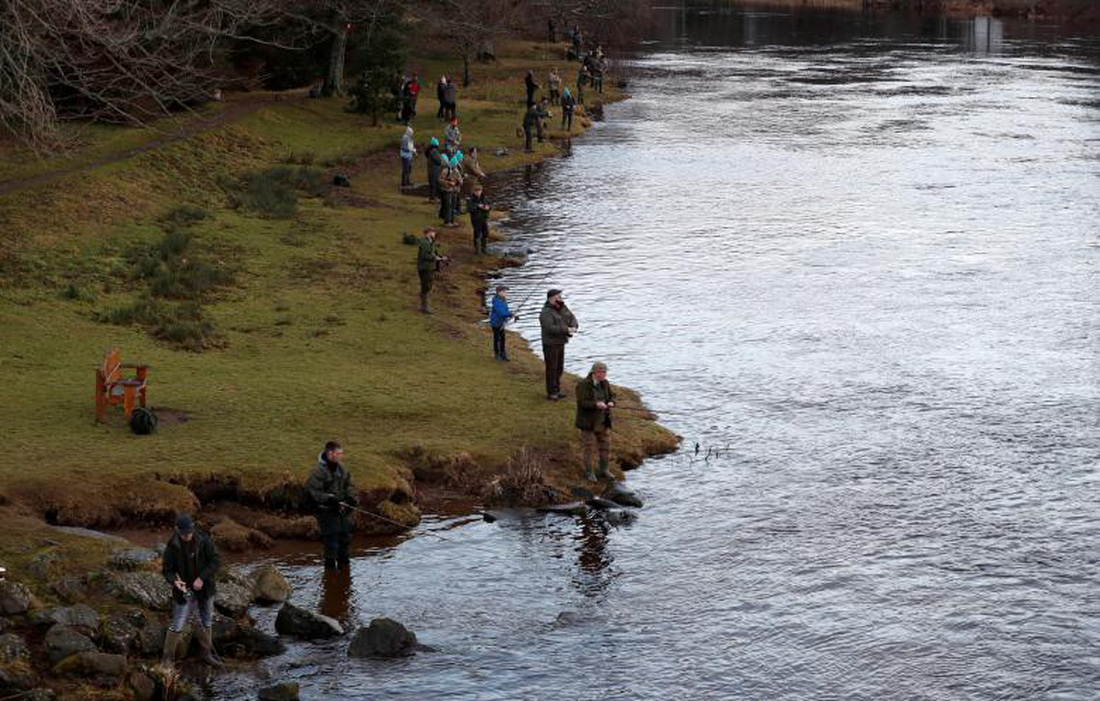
[424,304]
[171,648]
[330,563]
[206,648]
[589,473]
[605,473]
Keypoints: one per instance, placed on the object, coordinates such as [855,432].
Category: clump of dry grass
[523,482]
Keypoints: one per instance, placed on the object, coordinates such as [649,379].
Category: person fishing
[553,83]
[557,324]
[531,87]
[333,495]
[595,399]
[434,158]
[428,261]
[479,209]
[189,566]
[450,182]
[499,316]
[568,105]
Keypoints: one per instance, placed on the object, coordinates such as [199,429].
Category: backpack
[143,421]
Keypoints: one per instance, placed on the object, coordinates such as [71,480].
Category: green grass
[320,334]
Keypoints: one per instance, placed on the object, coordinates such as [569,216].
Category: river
[855,260]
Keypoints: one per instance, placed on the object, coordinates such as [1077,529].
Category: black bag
[143,421]
[341,180]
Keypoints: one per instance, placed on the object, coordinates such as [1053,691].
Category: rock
[62,641]
[232,599]
[269,585]
[287,691]
[305,624]
[132,558]
[620,517]
[42,564]
[89,533]
[573,508]
[80,616]
[13,648]
[14,598]
[150,639]
[258,643]
[601,504]
[146,589]
[42,694]
[92,664]
[142,685]
[622,496]
[118,634]
[70,589]
[384,637]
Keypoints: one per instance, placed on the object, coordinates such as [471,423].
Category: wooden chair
[111,388]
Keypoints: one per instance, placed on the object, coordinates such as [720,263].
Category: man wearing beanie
[594,402]
[189,566]
[334,496]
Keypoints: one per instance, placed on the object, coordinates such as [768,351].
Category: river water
[854,259]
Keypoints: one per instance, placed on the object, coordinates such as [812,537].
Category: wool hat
[185,524]
[552,292]
[435,141]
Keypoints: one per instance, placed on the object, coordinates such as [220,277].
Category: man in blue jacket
[498,317]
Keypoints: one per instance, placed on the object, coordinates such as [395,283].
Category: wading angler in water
[189,566]
[334,497]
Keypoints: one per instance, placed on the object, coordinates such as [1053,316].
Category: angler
[428,261]
[594,403]
[558,324]
[189,565]
[333,495]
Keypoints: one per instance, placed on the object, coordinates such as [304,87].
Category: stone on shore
[269,586]
[232,599]
[622,496]
[79,616]
[62,641]
[146,589]
[305,624]
[92,664]
[13,648]
[287,691]
[384,637]
[118,634]
[14,598]
[132,558]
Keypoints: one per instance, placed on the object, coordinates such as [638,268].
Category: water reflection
[593,561]
[336,594]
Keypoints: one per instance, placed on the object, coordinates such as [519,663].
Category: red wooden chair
[111,388]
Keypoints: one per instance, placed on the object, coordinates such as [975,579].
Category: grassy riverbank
[308,328]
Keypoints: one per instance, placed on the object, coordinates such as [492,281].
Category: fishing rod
[404,526]
[537,285]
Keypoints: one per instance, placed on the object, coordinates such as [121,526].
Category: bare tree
[469,25]
[113,60]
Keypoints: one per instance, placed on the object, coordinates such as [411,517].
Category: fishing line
[403,526]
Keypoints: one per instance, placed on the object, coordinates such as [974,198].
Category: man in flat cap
[594,403]
[558,324]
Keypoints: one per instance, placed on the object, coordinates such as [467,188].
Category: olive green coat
[427,255]
[588,393]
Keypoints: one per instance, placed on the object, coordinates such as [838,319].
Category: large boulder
[622,496]
[92,664]
[80,616]
[62,641]
[14,598]
[13,648]
[384,637]
[305,624]
[287,691]
[232,598]
[269,586]
[256,643]
[146,589]
[132,558]
[118,634]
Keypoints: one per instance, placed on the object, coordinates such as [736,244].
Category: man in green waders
[594,403]
[333,496]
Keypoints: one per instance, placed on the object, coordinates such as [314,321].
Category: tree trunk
[466,67]
[334,83]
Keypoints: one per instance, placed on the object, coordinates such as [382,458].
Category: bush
[273,192]
[184,215]
[77,293]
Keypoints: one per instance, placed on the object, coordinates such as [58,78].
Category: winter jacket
[555,324]
[499,313]
[408,147]
[427,255]
[207,563]
[588,393]
[478,215]
[327,487]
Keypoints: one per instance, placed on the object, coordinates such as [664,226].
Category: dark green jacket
[427,254]
[555,324]
[477,214]
[206,556]
[588,393]
[324,483]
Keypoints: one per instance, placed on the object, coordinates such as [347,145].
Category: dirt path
[235,110]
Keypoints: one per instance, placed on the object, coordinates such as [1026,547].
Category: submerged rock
[620,517]
[306,624]
[384,637]
[269,586]
[601,504]
[15,598]
[619,494]
[573,508]
[92,664]
[287,691]
[62,641]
